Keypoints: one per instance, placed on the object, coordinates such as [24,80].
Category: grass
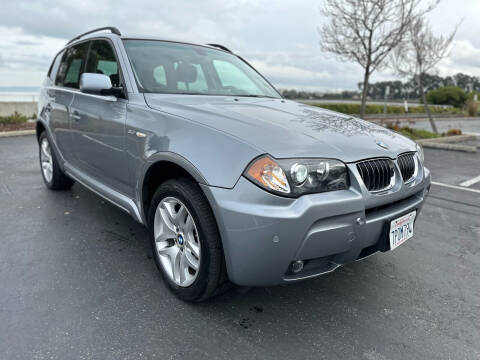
[417,134]
[14,119]
[372,109]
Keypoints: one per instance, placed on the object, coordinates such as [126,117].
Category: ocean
[17,93]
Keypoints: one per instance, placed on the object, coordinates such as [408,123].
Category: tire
[53,176]
[210,278]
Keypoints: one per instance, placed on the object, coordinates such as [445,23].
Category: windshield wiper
[189,93]
[255,96]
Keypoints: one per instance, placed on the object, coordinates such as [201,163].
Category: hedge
[372,109]
[16,118]
[447,95]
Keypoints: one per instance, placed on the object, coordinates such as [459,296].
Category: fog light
[297,266]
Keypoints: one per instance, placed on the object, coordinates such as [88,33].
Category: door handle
[136,133]
[75,115]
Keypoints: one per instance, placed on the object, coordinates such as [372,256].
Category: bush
[472,107]
[471,95]
[16,118]
[447,95]
[371,109]
[452,132]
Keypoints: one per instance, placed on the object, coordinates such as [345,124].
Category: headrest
[186,72]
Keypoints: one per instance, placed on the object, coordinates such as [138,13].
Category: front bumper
[263,233]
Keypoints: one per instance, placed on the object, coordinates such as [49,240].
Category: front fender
[212,157]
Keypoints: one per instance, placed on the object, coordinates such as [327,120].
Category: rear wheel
[52,175]
[185,241]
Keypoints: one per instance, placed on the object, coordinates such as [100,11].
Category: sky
[279,37]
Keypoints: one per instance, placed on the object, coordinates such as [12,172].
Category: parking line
[456,187]
[470,182]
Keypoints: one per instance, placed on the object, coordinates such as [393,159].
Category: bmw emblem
[382,144]
[180,239]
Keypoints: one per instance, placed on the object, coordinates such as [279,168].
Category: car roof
[144,37]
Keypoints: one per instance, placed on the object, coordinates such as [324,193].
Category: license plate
[401,229]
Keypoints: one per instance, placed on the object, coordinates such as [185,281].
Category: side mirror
[97,84]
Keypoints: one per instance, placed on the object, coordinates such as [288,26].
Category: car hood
[284,128]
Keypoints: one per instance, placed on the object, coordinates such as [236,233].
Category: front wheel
[185,241]
[52,174]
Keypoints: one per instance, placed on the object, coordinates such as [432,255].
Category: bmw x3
[236,184]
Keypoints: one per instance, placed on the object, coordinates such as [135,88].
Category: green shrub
[372,109]
[471,95]
[16,118]
[447,95]
[412,133]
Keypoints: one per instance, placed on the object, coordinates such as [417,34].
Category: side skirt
[112,196]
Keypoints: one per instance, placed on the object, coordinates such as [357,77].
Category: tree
[419,54]
[366,31]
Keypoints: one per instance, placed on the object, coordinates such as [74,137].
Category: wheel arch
[162,167]
[39,128]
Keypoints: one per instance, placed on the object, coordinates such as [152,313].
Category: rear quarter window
[52,72]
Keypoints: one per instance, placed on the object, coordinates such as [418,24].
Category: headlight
[295,177]
[420,153]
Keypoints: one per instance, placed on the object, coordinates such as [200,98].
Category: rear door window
[102,60]
[72,66]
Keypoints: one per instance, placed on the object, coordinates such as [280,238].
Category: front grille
[406,163]
[376,173]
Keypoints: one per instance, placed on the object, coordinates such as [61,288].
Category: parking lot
[78,281]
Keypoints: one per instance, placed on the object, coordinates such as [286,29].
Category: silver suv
[236,184]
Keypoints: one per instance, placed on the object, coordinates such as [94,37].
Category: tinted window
[52,73]
[102,60]
[176,68]
[72,65]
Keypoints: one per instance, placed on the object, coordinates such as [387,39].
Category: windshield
[176,68]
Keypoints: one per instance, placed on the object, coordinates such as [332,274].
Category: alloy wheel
[46,160]
[177,241]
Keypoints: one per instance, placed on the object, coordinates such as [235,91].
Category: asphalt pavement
[77,281]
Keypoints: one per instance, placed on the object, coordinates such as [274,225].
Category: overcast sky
[279,38]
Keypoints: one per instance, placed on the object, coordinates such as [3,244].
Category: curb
[455,147]
[445,143]
[16,133]
[448,139]
[417,118]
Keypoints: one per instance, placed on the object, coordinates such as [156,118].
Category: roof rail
[220,47]
[113,29]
